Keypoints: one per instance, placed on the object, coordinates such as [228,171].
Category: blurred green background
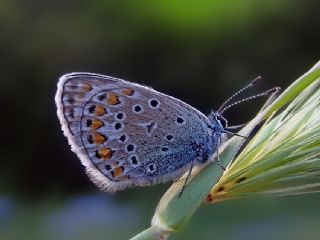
[200,52]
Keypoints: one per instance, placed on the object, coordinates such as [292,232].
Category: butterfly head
[218,121]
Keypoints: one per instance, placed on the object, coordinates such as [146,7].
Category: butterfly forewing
[126,134]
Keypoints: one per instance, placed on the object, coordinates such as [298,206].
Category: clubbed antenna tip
[251,84]
[268,92]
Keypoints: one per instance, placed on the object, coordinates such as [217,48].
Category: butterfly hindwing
[127,134]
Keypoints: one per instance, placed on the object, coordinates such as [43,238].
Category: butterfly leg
[218,157]
[232,133]
[236,126]
[187,178]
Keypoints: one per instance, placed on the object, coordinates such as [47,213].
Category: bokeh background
[200,52]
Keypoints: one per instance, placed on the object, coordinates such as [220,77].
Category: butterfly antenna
[266,93]
[251,84]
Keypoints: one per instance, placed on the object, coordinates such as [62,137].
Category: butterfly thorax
[217,126]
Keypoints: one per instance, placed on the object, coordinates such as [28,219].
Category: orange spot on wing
[100,110]
[128,91]
[86,87]
[99,138]
[118,171]
[105,153]
[96,123]
[112,99]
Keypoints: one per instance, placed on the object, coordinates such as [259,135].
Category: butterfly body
[130,135]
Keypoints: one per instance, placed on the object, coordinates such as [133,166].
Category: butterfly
[127,135]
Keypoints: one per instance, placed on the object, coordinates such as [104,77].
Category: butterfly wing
[126,134]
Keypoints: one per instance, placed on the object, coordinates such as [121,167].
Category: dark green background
[198,51]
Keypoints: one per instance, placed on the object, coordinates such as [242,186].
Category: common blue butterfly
[127,135]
